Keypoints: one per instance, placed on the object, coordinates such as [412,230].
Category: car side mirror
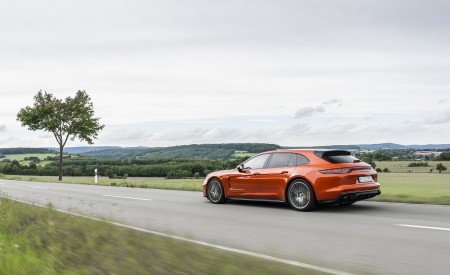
[240,168]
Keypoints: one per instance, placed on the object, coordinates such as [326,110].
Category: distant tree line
[386,155]
[443,156]
[14,151]
[198,151]
[172,168]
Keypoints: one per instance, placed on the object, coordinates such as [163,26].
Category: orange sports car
[302,178]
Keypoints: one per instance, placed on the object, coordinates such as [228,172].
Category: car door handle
[284,172]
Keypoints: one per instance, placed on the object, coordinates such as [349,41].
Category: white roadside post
[96,176]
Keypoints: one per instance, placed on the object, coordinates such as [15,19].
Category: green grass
[157,183]
[242,154]
[414,188]
[402,166]
[36,240]
[21,157]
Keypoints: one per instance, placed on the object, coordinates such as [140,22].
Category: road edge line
[424,227]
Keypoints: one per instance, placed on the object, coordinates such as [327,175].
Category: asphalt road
[365,238]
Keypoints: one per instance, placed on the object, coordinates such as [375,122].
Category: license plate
[365,179]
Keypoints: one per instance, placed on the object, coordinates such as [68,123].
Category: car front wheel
[300,195]
[215,191]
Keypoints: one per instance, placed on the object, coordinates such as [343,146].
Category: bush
[418,164]
[379,170]
[440,167]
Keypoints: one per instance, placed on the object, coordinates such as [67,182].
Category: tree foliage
[444,156]
[21,150]
[70,118]
[440,167]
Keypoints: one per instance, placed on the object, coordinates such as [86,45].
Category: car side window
[256,162]
[280,160]
[301,159]
[293,160]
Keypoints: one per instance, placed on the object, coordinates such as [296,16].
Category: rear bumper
[353,196]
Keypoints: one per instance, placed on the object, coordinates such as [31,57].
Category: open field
[414,188]
[402,166]
[21,157]
[36,240]
[396,187]
[242,154]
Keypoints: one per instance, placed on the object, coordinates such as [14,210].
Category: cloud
[333,101]
[309,111]
[442,100]
[2,128]
[298,128]
[439,118]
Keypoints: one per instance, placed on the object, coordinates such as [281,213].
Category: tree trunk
[61,148]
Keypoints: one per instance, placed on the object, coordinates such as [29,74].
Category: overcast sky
[179,72]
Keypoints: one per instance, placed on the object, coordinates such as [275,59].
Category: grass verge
[36,240]
[141,182]
[414,188]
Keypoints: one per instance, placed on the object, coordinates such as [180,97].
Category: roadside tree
[70,118]
[369,161]
[440,167]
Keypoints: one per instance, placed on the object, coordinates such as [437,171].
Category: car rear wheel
[300,195]
[215,191]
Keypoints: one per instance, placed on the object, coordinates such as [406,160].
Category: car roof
[307,150]
[317,152]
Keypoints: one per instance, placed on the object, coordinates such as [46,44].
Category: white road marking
[131,198]
[425,227]
[37,187]
[220,247]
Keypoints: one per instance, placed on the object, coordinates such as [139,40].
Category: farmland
[415,188]
[21,158]
[402,166]
[242,154]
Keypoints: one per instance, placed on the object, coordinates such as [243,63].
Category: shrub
[440,167]
[418,164]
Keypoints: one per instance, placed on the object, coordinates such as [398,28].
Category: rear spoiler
[325,153]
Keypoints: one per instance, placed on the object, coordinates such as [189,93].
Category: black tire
[300,195]
[215,192]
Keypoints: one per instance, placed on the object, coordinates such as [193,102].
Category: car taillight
[336,171]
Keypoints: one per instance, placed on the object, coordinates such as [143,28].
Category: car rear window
[337,156]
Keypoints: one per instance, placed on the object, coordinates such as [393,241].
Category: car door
[274,178]
[245,183]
